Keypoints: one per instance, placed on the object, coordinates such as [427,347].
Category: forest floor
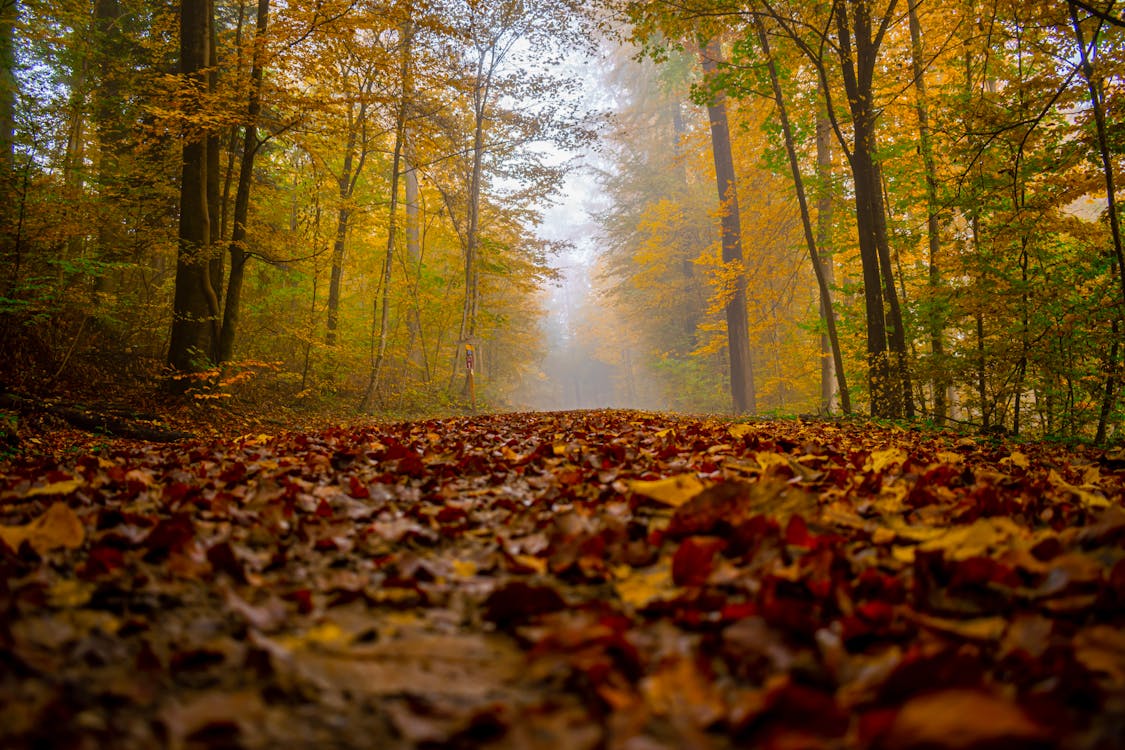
[603,579]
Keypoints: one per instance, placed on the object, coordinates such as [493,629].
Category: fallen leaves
[575,580]
[58,527]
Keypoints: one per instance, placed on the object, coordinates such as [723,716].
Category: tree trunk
[858,50]
[9,244]
[738,336]
[214,188]
[195,307]
[9,10]
[392,225]
[416,350]
[472,224]
[939,380]
[238,253]
[1096,104]
[833,384]
[822,280]
[110,131]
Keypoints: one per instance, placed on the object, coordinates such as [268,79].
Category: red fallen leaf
[693,560]
[302,598]
[963,719]
[518,601]
[357,489]
[169,535]
[797,532]
[450,514]
[101,560]
[224,560]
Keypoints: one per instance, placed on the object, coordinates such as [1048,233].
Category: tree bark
[819,271]
[195,307]
[859,44]
[1097,105]
[9,9]
[743,395]
[939,380]
[392,225]
[9,244]
[238,253]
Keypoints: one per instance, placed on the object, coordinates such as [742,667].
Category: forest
[897,209]
[562,375]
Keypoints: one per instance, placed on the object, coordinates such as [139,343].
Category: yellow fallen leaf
[1086,495]
[637,587]
[69,593]
[57,527]
[882,535]
[673,491]
[65,487]
[740,430]
[882,459]
[537,564]
[1017,459]
[464,568]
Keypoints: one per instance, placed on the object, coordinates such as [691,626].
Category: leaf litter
[603,579]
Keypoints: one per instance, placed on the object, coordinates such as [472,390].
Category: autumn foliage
[569,580]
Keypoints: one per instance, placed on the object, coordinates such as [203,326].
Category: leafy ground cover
[604,579]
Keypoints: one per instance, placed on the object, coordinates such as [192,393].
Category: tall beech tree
[849,36]
[239,252]
[738,338]
[195,310]
[820,267]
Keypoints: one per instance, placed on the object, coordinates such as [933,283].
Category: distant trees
[977,275]
[165,146]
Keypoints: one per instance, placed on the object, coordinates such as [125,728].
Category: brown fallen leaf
[963,719]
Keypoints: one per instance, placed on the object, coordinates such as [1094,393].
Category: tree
[820,267]
[9,9]
[382,308]
[195,322]
[239,253]
[738,338]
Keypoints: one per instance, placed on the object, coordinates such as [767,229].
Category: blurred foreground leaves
[571,580]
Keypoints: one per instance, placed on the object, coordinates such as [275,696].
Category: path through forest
[567,580]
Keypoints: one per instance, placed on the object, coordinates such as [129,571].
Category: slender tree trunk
[110,131]
[738,334]
[392,222]
[195,307]
[896,329]
[1098,107]
[472,231]
[233,132]
[822,280]
[939,379]
[981,359]
[858,53]
[416,350]
[833,384]
[238,253]
[343,217]
[214,189]
[9,9]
